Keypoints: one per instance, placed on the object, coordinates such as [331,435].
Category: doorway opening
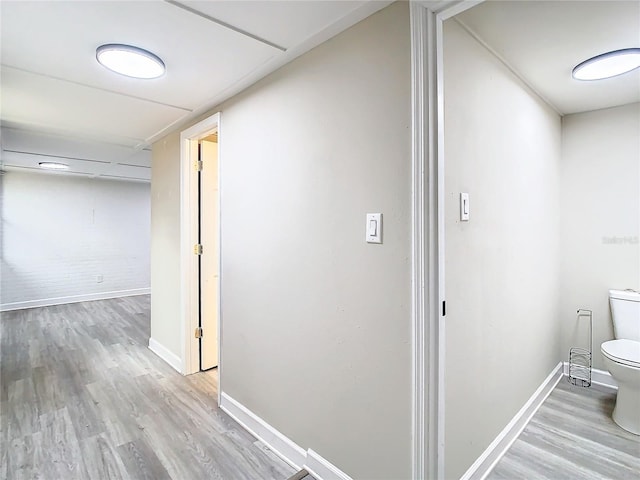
[200,248]
[207,251]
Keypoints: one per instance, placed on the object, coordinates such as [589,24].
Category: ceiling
[58,102]
[541,41]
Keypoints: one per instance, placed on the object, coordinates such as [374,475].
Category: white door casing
[428,293]
[189,139]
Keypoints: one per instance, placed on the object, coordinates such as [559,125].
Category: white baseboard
[599,377]
[48,302]
[320,468]
[165,354]
[280,444]
[494,452]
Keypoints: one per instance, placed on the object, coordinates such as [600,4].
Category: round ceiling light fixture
[607,65]
[53,166]
[130,61]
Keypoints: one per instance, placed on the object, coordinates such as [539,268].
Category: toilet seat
[623,351]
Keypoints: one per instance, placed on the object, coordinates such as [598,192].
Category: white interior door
[209,260]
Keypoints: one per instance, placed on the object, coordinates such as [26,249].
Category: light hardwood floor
[572,436]
[82,397]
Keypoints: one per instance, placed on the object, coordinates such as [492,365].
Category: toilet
[622,357]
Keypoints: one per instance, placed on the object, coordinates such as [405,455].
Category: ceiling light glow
[130,61]
[53,166]
[607,65]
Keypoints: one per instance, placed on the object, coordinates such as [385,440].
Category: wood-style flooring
[82,397]
[572,436]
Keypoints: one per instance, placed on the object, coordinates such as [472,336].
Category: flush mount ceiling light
[130,61]
[53,166]
[610,64]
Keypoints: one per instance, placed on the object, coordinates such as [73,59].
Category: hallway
[84,398]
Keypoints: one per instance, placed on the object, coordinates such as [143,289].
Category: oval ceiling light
[130,61]
[610,64]
[53,166]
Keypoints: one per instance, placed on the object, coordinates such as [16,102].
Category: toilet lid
[626,352]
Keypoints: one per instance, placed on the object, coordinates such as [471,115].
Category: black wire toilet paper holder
[580,358]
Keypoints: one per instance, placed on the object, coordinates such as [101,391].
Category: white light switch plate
[464,207]
[373,228]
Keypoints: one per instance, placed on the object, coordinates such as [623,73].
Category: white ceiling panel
[127,171]
[543,41]
[35,100]
[52,86]
[59,39]
[284,23]
[31,161]
[23,151]
[26,141]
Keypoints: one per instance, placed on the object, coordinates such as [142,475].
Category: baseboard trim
[48,302]
[165,354]
[599,377]
[280,444]
[496,450]
[320,468]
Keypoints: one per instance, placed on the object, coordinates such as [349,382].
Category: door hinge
[197,249]
[198,332]
[197,165]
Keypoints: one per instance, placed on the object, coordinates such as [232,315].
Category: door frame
[189,274]
[428,229]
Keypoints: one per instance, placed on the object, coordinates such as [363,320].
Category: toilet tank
[625,310]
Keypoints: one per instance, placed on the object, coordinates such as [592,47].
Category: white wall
[165,243]
[60,232]
[315,322]
[600,178]
[502,146]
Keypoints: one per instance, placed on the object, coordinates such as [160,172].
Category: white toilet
[622,357]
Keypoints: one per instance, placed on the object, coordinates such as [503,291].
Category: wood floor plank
[573,436]
[60,450]
[83,397]
[101,459]
[141,462]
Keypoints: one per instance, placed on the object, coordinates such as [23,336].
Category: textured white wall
[600,177]
[502,146]
[60,232]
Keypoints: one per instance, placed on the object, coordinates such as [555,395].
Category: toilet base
[627,410]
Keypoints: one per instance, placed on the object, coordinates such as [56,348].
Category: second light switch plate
[464,207]
[374,228]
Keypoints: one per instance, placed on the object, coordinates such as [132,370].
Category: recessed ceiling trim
[54,156]
[121,177]
[9,167]
[131,165]
[66,80]
[187,8]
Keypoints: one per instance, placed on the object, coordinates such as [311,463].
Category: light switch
[464,207]
[374,228]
